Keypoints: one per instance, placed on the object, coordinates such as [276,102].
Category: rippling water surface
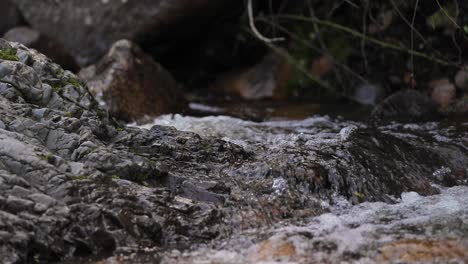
[415,229]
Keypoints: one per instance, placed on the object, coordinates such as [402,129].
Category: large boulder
[9,16]
[132,85]
[88,28]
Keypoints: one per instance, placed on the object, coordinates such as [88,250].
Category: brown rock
[421,251]
[264,80]
[443,92]
[34,39]
[273,249]
[322,66]
[132,84]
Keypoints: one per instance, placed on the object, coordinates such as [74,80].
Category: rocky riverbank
[76,184]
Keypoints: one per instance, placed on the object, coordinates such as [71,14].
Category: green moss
[100,113]
[442,17]
[59,84]
[36,258]
[77,178]
[67,114]
[59,72]
[359,195]
[8,54]
[56,85]
[46,157]
[74,82]
[115,177]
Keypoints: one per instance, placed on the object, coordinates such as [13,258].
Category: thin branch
[425,42]
[412,40]
[381,43]
[322,50]
[457,26]
[254,28]
[363,40]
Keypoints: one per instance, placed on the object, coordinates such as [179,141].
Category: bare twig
[363,40]
[457,26]
[370,39]
[424,40]
[254,28]
[412,40]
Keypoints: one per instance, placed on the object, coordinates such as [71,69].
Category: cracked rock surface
[74,183]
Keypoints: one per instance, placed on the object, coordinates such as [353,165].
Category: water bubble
[442,173]
[279,186]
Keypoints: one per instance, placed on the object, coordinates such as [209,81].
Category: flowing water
[415,229]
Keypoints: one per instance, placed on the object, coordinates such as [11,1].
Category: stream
[411,229]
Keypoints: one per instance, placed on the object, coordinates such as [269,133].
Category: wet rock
[9,16]
[423,251]
[368,94]
[36,40]
[264,80]
[132,85]
[274,249]
[88,28]
[59,176]
[461,79]
[443,92]
[404,105]
[417,230]
[461,105]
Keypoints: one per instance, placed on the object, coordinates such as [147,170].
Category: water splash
[358,234]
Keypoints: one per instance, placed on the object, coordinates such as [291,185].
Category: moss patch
[77,178]
[8,54]
[58,84]
[74,82]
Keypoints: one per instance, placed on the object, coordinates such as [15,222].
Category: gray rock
[15,204]
[95,25]
[19,191]
[39,41]
[404,105]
